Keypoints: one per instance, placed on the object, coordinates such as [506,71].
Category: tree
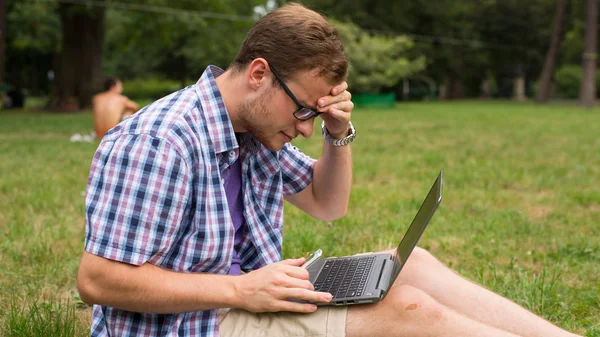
[376,61]
[32,42]
[184,39]
[463,41]
[587,94]
[2,37]
[515,36]
[545,80]
[79,73]
[427,18]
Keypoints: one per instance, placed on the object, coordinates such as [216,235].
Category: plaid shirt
[155,195]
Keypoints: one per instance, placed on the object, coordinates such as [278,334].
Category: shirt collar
[217,117]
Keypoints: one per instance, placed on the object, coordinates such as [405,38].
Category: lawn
[520,212]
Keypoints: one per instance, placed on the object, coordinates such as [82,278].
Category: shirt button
[232,154]
[223,181]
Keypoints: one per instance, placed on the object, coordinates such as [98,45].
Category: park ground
[520,211]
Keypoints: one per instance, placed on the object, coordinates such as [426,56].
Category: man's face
[270,117]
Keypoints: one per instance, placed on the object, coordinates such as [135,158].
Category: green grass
[520,214]
[42,320]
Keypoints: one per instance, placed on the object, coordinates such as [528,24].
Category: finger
[338,114]
[325,101]
[307,295]
[339,88]
[296,272]
[293,262]
[284,305]
[345,106]
[298,283]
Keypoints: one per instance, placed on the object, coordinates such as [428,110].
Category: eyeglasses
[303,113]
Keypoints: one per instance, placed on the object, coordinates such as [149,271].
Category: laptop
[366,278]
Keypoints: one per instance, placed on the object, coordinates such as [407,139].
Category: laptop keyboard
[345,277]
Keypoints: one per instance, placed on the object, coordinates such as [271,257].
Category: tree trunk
[2,37]
[486,88]
[443,91]
[34,86]
[587,92]
[455,89]
[519,84]
[405,89]
[545,79]
[79,73]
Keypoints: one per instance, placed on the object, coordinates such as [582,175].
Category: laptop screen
[424,215]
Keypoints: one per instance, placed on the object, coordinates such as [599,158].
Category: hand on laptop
[267,289]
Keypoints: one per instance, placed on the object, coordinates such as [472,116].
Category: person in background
[111,107]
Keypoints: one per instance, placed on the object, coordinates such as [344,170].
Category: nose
[305,128]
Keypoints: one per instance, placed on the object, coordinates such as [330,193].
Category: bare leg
[409,312]
[424,272]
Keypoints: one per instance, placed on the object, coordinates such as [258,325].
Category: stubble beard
[256,119]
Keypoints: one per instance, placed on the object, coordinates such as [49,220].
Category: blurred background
[58,52]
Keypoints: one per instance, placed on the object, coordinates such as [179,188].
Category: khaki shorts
[327,321]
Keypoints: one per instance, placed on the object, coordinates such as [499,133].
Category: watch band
[339,142]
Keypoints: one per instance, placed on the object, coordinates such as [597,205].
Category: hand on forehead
[337,94]
[317,91]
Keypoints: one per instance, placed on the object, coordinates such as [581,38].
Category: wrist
[340,139]
[226,291]
[340,135]
[234,298]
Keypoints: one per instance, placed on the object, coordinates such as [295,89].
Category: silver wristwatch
[339,142]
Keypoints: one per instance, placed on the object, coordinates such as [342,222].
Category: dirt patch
[537,212]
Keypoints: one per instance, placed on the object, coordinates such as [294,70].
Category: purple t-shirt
[232,180]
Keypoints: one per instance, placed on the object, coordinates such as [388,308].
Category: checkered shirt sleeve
[137,196]
[296,169]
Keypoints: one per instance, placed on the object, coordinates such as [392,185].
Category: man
[111,107]
[189,193]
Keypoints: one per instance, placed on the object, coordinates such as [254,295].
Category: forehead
[309,87]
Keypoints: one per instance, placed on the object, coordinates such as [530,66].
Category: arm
[148,288]
[130,105]
[326,198]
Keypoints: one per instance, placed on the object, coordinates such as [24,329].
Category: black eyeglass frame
[303,113]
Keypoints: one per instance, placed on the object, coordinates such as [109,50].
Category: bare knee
[422,256]
[412,303]
[418,254]
[405,311]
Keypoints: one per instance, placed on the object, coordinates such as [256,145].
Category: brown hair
[293,39]
[110,82]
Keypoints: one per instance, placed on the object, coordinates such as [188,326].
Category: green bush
[149,88]
[377,61]
[568,81]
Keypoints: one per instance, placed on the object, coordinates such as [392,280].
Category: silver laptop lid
[424,215]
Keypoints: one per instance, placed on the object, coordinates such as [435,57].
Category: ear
[257,73]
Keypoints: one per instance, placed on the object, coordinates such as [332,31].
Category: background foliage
[450,44]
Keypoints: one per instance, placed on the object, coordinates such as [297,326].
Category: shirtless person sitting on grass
[111,107]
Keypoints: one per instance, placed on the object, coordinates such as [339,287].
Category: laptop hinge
[380,273]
